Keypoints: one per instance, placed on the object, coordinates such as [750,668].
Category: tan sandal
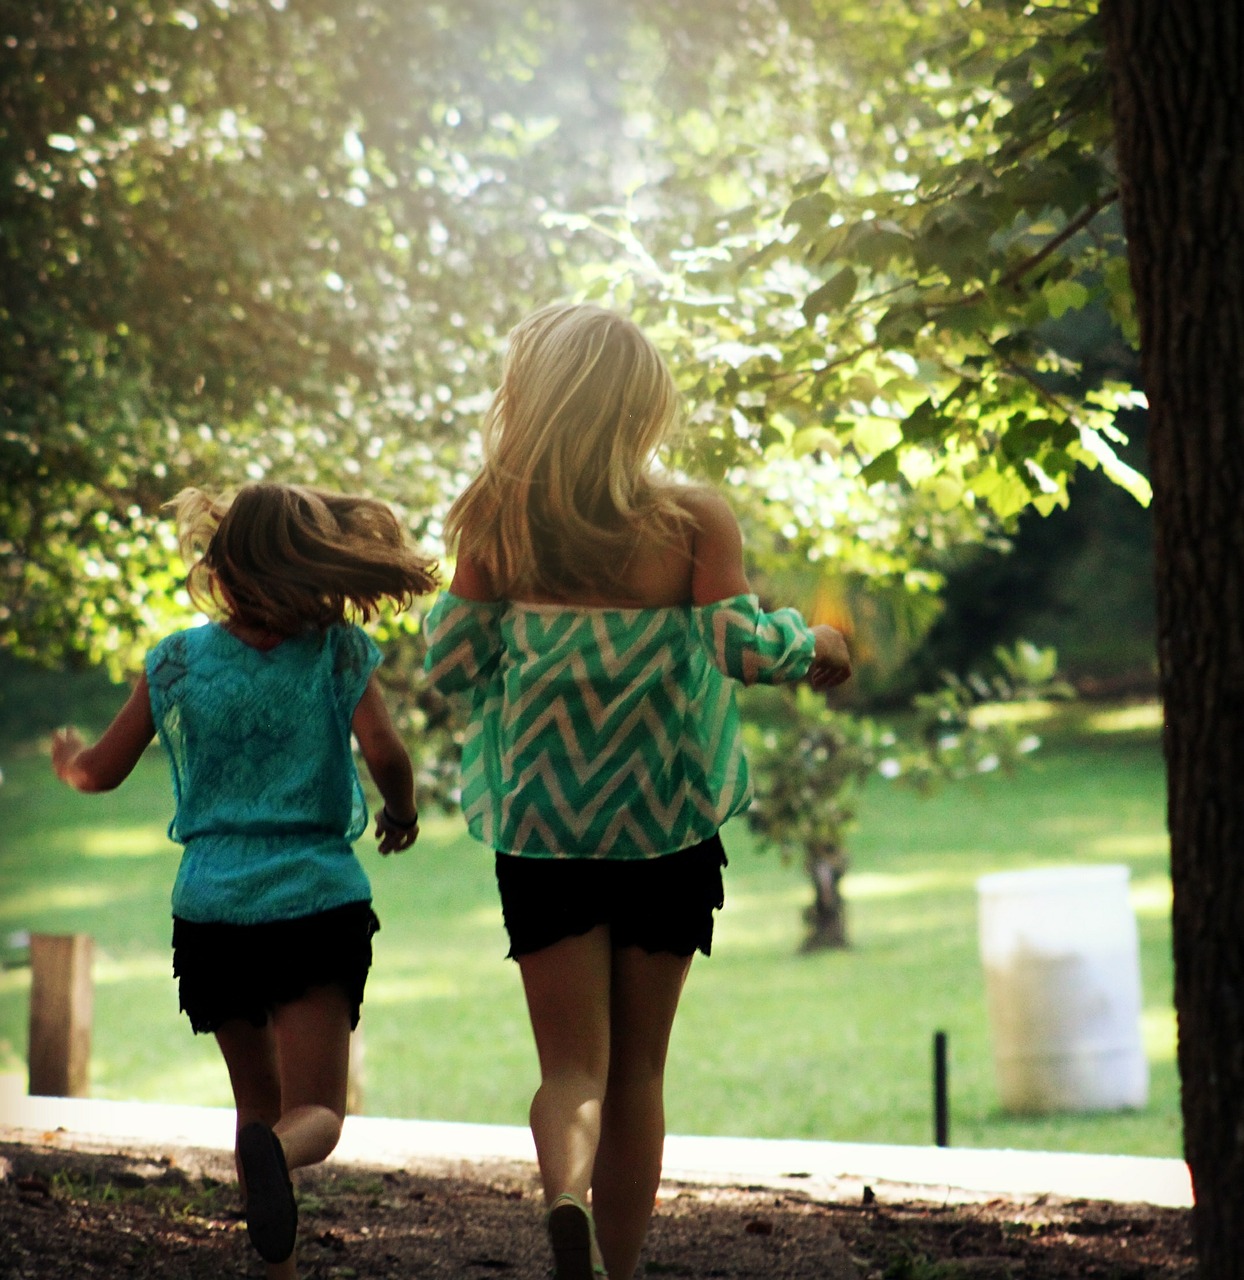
[572,1235]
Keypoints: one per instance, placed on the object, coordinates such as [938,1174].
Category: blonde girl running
[596,619]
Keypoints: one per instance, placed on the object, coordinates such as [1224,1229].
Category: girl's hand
[66,743]
[111,760]
[831,661]
[393,836]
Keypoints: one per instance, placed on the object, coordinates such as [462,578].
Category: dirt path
[66,1213]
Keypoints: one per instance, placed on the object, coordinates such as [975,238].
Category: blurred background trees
[287,237]
[247,238]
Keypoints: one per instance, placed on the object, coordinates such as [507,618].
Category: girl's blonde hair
[584,403]
[286,558]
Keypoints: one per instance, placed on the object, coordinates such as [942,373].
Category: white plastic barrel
[1062,984]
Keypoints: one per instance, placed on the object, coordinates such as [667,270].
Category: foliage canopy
[252,237]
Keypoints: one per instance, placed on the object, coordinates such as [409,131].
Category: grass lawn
[769,1042]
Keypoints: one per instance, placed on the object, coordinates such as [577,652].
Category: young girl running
[595,618]
[272,918]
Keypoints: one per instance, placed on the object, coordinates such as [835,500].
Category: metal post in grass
[61,1010]
[941,1101]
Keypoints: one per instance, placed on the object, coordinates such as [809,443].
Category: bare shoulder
[704,505]
[717,554]
[471,580]
[712,519]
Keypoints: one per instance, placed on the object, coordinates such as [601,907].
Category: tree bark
[1177,73]
[826,916]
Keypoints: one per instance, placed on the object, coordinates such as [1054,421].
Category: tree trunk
[826,917]
[1177,71]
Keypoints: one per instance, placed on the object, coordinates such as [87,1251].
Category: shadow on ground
[82,1214]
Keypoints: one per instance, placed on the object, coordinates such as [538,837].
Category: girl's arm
[112,759]
[716,549]
[717,574]
[388,762]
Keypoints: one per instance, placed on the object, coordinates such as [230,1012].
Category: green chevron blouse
[601,732]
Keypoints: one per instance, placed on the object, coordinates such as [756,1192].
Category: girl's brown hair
[585,401]
[286,558]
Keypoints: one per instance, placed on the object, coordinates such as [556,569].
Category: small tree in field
[811,765]
[808,779]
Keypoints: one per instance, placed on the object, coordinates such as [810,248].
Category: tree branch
[1076,225]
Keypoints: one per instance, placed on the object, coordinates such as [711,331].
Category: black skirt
[228,971]
[663,904]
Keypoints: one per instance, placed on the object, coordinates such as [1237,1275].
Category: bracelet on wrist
[393,822]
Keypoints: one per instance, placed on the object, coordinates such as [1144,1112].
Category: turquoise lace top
[606,732]
[268,796]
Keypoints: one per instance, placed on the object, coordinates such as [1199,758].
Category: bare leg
[567,989]
[645,994]
[291,1076]
[313,1050]
[250,1056]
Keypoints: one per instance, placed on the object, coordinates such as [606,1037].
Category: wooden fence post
[61,1000]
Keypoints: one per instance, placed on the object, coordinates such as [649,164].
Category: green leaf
[877,243]
[810,211]
[877,435]
[1094,444]
[833,295]
[924,424]
[883,469]
[1065,295]
[900,324]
